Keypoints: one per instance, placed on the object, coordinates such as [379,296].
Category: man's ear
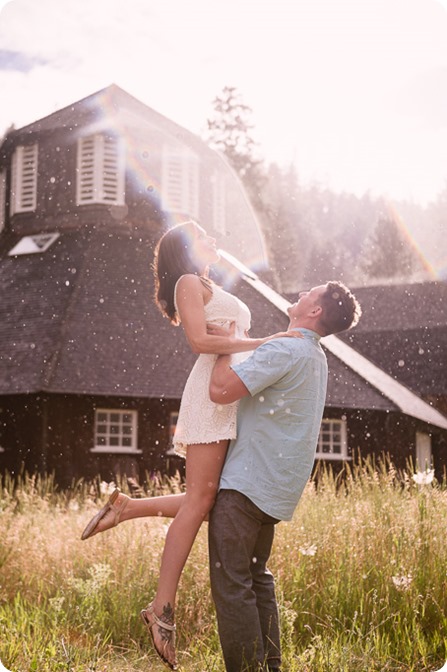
[316,311]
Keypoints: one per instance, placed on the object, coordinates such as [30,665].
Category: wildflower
[308,550]
[424,477]
[402,582]
[106,488]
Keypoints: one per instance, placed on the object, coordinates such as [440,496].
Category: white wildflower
[402,582]
[424,477]
[308,550]
[106,488]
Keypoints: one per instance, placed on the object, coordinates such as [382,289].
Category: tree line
[360,240]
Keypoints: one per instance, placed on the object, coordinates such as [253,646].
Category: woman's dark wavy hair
[341,310]
[172,259]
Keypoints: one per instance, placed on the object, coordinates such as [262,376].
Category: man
[282,387]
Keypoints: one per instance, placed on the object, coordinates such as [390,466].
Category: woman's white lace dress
[199,419]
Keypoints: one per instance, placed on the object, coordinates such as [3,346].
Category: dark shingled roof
[398,395]
[346,389]
[79,318]
[404,331]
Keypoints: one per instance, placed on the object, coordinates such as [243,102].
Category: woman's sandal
[113,508]
[167,635]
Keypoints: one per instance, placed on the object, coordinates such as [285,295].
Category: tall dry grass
[361,578]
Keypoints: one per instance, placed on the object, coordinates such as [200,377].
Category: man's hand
[225,329]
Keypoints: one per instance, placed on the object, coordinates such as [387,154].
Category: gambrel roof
[79,318]
[156,152]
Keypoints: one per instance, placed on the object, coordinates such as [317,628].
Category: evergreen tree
[229,131]
[288,241]
[387,254]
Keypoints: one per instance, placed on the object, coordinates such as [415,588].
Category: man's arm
[225,384]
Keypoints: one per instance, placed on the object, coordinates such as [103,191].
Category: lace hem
[180,448]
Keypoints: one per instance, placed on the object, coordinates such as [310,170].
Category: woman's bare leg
[164,506]
[203,467]
[122,507]
[204,464]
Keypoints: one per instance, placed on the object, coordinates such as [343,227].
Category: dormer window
[24,179]
[100,170]
[33,244]
[180,182]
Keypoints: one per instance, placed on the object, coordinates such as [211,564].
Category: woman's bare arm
[191,298]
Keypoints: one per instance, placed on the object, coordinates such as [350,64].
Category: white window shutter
[85,185]
[180,183]
[100,170]
[24,179]
[112,171]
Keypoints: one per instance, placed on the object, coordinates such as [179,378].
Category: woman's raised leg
[204,464]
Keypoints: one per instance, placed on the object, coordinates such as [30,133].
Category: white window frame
[180,182]
[333,435]
[100,170]
[173,417]
[2,199]
[24,166]
[424,455]
[108,427]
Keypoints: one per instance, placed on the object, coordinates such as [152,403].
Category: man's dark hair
[341,310]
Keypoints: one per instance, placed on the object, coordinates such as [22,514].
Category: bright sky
[353,91]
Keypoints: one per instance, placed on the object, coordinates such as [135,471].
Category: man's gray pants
[243,589]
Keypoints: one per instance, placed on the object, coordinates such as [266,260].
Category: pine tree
[229,131]
[387,253]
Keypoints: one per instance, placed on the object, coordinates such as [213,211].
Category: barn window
[332,441]
[173,417]
[180,182]
[115,431]
[100,170]
[24,179]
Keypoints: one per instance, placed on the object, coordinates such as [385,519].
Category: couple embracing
[248,427]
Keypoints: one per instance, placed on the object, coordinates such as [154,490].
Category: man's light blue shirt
[271,459]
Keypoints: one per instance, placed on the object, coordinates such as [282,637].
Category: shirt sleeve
[266,365]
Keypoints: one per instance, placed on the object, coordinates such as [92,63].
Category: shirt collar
[307,333]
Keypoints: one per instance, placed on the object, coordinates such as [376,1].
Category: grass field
[361,579]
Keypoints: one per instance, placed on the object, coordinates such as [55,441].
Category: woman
[186,295]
